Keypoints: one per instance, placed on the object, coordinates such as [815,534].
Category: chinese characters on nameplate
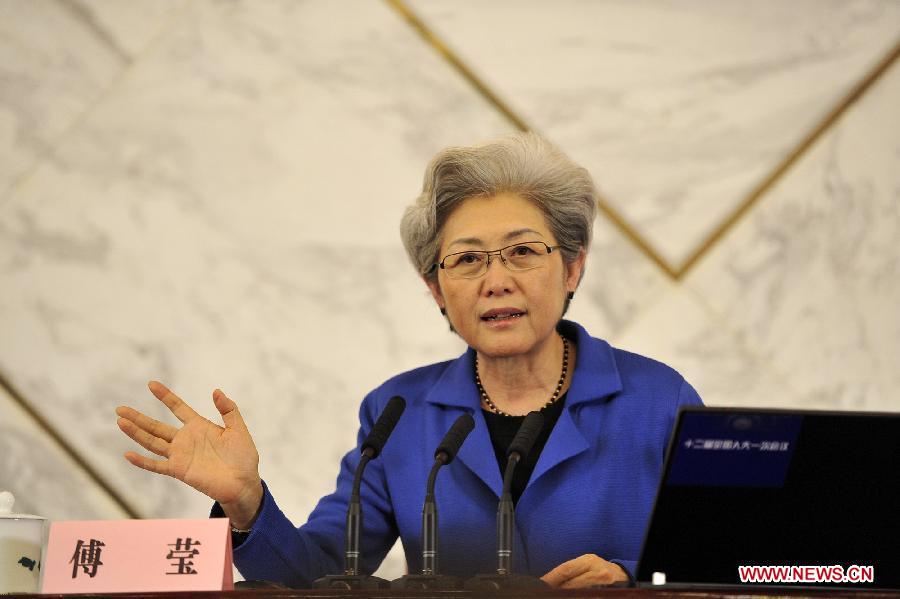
[115,556]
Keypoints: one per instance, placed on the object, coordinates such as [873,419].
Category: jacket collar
[595,378]
[596,375]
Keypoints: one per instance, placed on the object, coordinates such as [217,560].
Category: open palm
[221,462]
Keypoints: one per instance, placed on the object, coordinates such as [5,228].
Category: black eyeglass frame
[489,253]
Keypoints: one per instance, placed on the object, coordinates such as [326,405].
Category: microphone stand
[429,578]
[371,447]
[429,523]
[506,518]
[354,520]
[351,578]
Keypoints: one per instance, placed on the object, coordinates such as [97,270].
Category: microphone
[521,444]
[443,455]
[519,448]
[453,440]
[370,449]
[383,428]
[526,436]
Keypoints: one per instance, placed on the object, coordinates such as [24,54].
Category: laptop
[777,497]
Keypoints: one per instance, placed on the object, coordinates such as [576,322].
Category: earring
[571,295]
[444,311]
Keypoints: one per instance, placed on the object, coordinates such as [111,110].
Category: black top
[504,428]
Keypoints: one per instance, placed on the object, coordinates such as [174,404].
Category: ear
[435,290]
[575,270]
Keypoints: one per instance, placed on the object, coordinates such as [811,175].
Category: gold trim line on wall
[519,123]
[855,93]
[67,448]
[644,246]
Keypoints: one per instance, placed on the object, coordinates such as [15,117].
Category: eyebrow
[477,241]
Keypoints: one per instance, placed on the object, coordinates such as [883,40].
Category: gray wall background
[208,193]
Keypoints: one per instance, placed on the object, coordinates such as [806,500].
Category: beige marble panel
[127,27]
[682,331]
[678,108]
[45,479]
[619,283]
[227,217]
[56,60]
[810,280]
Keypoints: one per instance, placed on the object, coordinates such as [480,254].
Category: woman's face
[477,307]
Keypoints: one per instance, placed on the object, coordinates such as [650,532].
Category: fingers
[151,465]
[589,578]
[175,404]
[229,410]
[146,440]
[156,428]
[583,571]
[566,571]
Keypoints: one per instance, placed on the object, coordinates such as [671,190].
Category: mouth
[502,314]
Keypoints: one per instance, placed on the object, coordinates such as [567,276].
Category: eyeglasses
[472,264]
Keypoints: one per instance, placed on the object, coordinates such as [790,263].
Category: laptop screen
[780,489]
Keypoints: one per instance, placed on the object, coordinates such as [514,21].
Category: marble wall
[208,193]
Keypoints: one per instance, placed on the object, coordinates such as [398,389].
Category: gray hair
[523,163]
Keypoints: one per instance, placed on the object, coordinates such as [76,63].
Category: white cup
[21,548]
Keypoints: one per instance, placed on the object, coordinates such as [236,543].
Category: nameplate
[123,556]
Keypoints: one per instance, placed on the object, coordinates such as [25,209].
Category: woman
[499,235]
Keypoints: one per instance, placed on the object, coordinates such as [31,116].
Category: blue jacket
[591,491]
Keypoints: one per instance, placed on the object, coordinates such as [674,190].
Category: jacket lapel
[565,442]
[477,454]
[595,379]
[456,389]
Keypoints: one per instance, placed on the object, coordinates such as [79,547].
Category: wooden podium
[704,592]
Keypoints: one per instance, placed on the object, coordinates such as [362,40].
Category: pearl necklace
[562,379]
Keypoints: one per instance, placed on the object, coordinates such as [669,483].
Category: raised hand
[220,462]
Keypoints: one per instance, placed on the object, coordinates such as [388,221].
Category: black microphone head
[384,426]
[454,438]
[527,434]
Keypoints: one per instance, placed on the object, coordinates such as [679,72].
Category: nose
[498,279]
